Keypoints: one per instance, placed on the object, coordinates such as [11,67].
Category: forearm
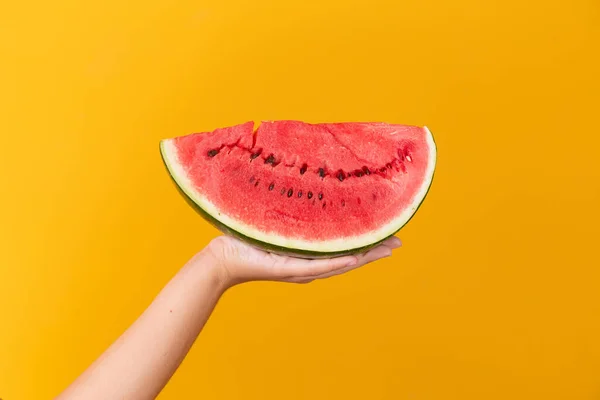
[140,363]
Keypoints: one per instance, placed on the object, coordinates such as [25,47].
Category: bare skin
[141,362]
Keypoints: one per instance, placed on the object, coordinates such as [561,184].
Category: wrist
[213,259]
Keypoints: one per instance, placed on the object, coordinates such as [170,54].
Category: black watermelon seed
[320,196]
[282,191]
[256,183]
[271,186]
[358,173]
[340,175]
[300,193]
[254,155]
[321,172]
[303,169]
[213,152]
[324,205]
[366,171]
[270,159]
[309,195]
[290,192]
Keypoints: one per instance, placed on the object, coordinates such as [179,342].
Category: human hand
[238,262]
[160,339]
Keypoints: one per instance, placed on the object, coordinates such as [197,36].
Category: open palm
[241,262]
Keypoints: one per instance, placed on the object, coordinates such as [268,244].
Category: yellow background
[496,292]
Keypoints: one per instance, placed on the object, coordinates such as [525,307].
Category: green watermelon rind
[273,248]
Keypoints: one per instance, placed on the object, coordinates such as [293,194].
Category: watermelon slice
[309,190]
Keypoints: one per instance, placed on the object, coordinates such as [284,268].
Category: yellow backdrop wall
[496,292]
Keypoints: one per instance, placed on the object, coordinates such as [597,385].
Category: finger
[392,242]
[334,273]
[288,267]
[374,254]
[298,280]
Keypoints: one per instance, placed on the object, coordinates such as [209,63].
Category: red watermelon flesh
[311,187]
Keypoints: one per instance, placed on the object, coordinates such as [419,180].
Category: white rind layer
[180,176]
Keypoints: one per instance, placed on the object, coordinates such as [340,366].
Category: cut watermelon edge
[293,246]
